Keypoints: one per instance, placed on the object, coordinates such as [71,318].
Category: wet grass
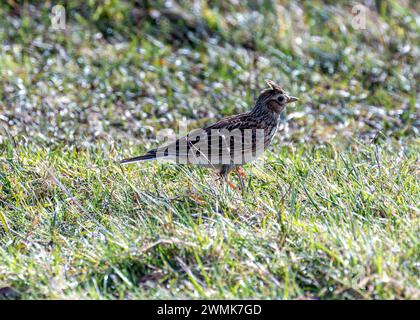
[331,211]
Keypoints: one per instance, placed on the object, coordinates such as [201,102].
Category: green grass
[331,211]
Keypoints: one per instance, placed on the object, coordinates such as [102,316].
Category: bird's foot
[230,184]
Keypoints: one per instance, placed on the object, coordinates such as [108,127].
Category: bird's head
[273,99]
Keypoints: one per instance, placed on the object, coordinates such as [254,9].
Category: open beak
[292,99]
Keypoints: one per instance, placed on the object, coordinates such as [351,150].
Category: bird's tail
[151,155]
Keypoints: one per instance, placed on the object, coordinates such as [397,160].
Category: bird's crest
[274,86]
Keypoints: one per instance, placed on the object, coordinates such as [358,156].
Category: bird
[231,142]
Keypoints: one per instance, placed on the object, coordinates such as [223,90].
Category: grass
[330,212]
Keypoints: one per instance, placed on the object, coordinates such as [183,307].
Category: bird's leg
[241,175]
[231,185]
[241,172]
[223,178]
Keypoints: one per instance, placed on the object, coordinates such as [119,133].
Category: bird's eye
[281,99]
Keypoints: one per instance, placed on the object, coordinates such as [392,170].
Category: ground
[330,212]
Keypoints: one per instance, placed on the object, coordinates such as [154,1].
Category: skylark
[231,142]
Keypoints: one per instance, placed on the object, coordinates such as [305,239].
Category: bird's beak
[292,99]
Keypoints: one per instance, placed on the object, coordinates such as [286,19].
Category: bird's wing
[234,139]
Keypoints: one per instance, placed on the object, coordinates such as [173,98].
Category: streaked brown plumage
[249,134]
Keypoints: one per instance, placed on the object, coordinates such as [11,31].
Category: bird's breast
[272,130]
